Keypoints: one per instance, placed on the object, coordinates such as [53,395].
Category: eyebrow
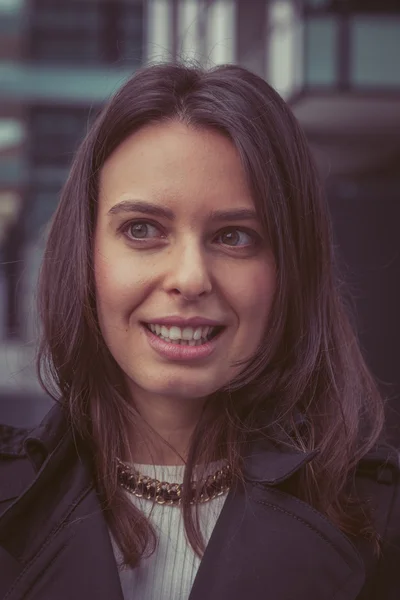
[147,208]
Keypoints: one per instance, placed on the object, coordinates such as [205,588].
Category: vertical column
[284,48]
[189,42]
[221,31]
[199,30]
[159,34]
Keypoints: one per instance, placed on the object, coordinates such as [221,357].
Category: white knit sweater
[168,574]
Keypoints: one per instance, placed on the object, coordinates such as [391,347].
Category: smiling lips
[183,335]
[188,332]
[183,339]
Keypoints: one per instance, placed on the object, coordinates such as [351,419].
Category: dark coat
[55,545]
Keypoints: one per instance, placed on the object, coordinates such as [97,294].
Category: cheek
[252,292]
[118,286]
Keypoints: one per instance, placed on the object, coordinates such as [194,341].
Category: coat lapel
[267,543]
[54,538]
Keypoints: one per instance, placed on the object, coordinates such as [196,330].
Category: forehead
[178,165]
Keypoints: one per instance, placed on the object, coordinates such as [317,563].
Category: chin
[179,387]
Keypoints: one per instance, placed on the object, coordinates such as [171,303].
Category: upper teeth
[177,333]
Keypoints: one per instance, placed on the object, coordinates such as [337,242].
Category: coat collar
[43,439]
[17,442]
[55,528]
[30,448]
[266,462]
[264,539]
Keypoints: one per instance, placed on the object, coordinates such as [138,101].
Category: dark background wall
[366,218]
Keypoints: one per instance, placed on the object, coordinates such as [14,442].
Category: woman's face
[184,273]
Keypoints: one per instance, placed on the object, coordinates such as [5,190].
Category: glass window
[375,6]
[42,204]
[12,132]
[61,50]
[353,6]
[130,32]
[12,136]
[78,31]
[49,177]
[68,17]
[375,50]
[318,3]
[321,35]
[55,133]
[10,17]
[10,6]
[65,31]
[12,172]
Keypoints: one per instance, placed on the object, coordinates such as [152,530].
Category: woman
[216,431]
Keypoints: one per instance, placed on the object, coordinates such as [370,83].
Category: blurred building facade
[335,61]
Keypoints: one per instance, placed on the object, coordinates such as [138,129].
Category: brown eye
[138,230]
[141,230]
[231,238]
[236,238]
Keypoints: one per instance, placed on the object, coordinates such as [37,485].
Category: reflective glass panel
[321,37]
[375,55]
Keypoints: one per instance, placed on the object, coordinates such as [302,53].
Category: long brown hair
[309,362]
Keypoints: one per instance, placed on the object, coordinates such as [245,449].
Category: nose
[188,272]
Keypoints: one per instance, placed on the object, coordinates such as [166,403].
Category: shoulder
[378,483]
[23,450]
[16,470]
[17,442]
[381,464]
[12,441]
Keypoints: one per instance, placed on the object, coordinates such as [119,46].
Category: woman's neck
[168,426]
